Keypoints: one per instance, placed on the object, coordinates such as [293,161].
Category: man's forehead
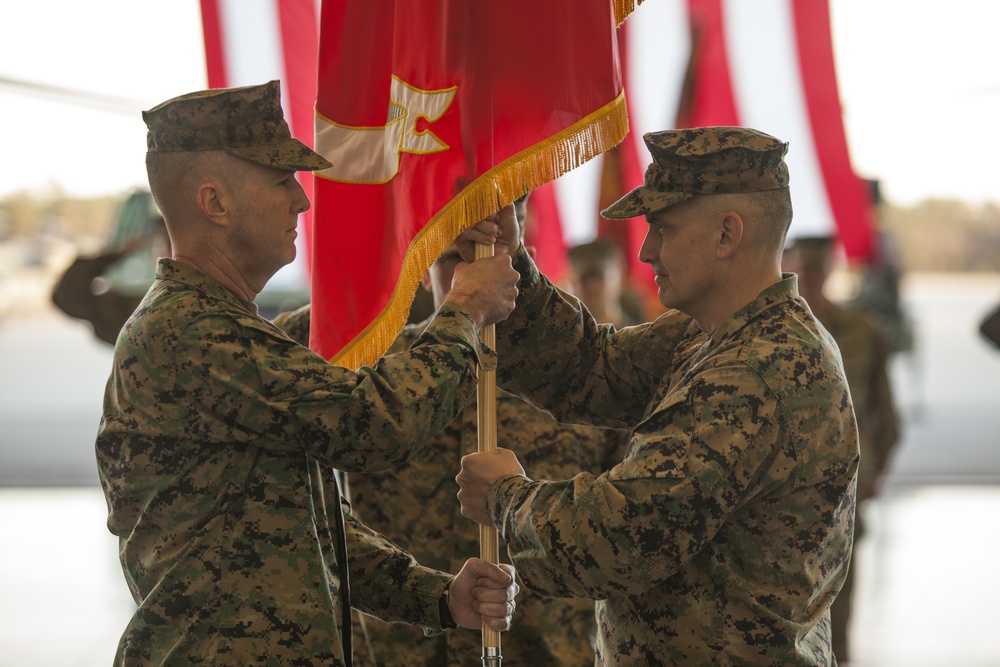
[677,210]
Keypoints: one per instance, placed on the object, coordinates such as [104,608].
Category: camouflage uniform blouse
[215,452]
[415,505]
[865,351]
[725,534]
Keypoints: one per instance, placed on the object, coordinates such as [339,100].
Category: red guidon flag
[435,113]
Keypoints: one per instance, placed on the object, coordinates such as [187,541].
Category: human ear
[212,203]
[730,234]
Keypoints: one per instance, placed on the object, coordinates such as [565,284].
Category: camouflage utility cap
[246,122]
[704,160]
[594,258]
[812,250]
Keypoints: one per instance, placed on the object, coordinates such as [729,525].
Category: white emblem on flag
[371,154]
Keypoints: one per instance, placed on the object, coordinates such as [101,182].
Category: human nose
[649,251]
[300,202]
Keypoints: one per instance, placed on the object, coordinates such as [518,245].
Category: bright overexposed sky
[919,83]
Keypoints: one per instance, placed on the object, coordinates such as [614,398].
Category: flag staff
[486,398]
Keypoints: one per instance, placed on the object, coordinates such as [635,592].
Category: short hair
[172,173]
[166,173]
[770,212]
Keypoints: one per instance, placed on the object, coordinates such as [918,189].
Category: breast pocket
[661,443]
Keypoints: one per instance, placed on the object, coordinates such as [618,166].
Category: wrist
[468,308]
[444,608]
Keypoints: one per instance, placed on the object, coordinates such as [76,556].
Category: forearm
[74,293]
[388,583]
[565,540]
[285,398]
[296,324]
[553,353]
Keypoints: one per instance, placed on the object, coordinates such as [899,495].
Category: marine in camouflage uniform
[414,504]
[597,278]
[219,437]
[106,311]
[724,535]
[865,351]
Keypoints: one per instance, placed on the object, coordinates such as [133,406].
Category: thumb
[496,573]
[507,213]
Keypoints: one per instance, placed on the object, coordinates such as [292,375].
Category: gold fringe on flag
[623,8]
[501,185]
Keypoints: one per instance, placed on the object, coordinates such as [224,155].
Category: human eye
[658,226]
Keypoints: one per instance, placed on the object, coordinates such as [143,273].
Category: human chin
[664,296]
[665,293]
[289,251]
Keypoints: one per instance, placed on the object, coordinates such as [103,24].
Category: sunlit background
[920,86]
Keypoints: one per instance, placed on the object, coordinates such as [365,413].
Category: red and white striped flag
[767,64]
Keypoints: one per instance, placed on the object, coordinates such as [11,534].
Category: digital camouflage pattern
[725,534]
[246,122]
[865,351]
[216,452]
[703,160]
[416,506]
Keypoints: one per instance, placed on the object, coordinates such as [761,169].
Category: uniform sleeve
[387,582]
[295,323]
[553,354]
[255,386]
[702,453]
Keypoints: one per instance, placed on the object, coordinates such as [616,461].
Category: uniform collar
[786,289]
[170,269]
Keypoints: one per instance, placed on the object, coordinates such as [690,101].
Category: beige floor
[928,586]
[928,579]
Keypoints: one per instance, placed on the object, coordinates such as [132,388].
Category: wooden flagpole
[486,399]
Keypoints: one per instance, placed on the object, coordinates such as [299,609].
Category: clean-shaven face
[269,203]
